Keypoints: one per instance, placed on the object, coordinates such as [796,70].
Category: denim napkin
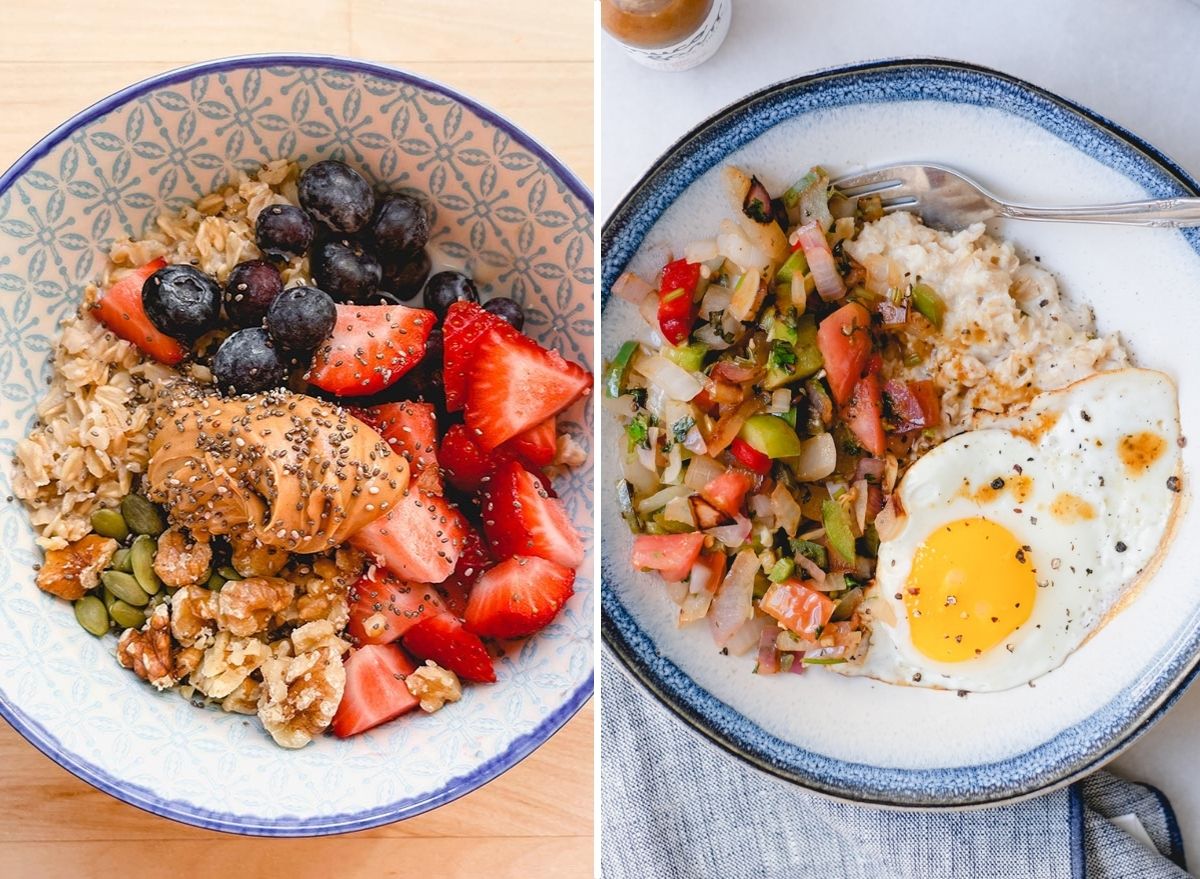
[674,806]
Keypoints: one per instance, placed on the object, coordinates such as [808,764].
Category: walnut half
[300,695]
[73,570]
[148,652]
[434,686]
[245,607]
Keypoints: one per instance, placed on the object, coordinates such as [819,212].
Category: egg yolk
[972,585]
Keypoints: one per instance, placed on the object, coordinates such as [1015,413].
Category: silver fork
[947,200]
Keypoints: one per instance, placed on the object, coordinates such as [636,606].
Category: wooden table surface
[532,61]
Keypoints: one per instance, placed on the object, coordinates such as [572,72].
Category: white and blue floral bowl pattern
[501,205]
[858,739]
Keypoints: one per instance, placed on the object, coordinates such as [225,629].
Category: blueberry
[508,310]
[344,270]
[400,226]
[405,276]
[182,301]
[446,288]
[249,291]
[382,297]
[301,318]
[247,363]
[335,194]
[283,231]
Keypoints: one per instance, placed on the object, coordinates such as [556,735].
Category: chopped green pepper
[807,356]
[761,585]
[667,525]
[781,570]
[795,263]
[781,325]
[689,357]
[791,198]
[618,370]
[838,532]
[791,416]
[931,306]
[771,435]
[814,552]
[824,660]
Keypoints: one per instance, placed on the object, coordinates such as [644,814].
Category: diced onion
[781,402]
[660,499]
[733,604]
[654,259]
[711,338]
[680,510]
[648,308]
[745,639]
[811,568]
[675,466]
[870,469]
[817,458]
[701,471]
[760,505]
[768,657]
[834,582]
[622,407]
[747,295]
[694,607]
[878,268]
[643,479]
[694,441]
[701,251]
[799,297]
[716,299]
[820,262]
[787,511]
[701,579]
[676,382]
[860,504]
[733,535]
[632,288]
[737,248]
[677,592]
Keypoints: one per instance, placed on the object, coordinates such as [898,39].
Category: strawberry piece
[419,539]
[536,446]
[516,384]
[382,607]
[375,689]
[443,639]
[465,464]
[464,324]
[520,518]
[370,348]
[473,561]
[411,430]
[518,597]
[120,309]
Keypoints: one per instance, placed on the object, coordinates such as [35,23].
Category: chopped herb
[814,552]
[782,357]
[639,431]
[680,429]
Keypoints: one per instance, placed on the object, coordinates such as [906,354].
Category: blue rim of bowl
[179,810]
[1073,751]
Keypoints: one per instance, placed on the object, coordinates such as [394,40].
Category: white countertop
[1134,63]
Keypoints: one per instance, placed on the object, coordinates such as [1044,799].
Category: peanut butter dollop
[292,471]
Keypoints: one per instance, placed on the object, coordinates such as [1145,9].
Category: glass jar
[667,34]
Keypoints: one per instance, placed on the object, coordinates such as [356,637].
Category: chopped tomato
[676,302]
[800,609]
[749,456]
[670,554]
[708,571]
[845,342]
[864,415]
[726,492]
[913,405]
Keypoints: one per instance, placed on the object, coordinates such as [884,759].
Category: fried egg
[1016,541]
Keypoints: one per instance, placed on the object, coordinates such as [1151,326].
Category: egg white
[1067,443]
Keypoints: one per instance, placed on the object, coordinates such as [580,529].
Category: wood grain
[532,61]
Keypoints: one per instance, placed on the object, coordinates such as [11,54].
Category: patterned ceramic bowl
[502,205]
[856,738]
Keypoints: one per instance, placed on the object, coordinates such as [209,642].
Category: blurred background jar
[667,34]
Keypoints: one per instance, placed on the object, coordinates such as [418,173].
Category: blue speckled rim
[1075,751]
[188,813]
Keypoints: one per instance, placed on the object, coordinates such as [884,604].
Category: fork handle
[1171,213]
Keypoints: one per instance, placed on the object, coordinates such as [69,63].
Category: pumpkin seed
[229,573]
[107,597]
[110,523]
[125,587]
[141,558]
[91,614]
[121,561]
[125,616]
[215,582]
[141,516]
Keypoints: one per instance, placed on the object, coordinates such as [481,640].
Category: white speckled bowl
[502,205]
[856,738]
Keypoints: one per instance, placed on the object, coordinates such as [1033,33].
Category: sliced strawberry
[370,348]
[383,607]
[375,689]
[443,639]
[536,446]
[464,463]
[673,555]
[473,561]
[516,384]
[410,429]
[518,597]
[419,539]
[726,492]
[120,309]
[520,518]
[462,328]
